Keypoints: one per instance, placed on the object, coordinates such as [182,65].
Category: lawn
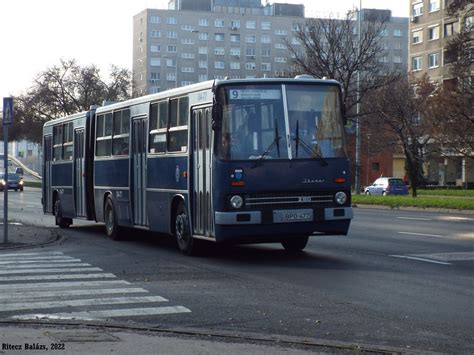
[425,199]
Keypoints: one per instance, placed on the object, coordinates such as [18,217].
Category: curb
[418,209]
[54,238]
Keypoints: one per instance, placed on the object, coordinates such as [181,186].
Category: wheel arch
[175,201]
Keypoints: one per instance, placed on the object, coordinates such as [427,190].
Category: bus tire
[112,228]
[58,215]
[295,244]
[186,243]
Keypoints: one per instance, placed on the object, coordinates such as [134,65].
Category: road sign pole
[7,121]
[5,186]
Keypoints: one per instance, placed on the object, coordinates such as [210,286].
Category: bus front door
[79,177]
[202,165]
[138,164]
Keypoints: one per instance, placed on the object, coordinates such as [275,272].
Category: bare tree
[62,90]
[330,48]
[401,109]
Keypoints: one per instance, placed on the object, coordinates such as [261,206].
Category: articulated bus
[228,161]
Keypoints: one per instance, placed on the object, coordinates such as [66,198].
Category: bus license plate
[288,216]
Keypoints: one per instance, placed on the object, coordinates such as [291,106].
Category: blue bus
[227,161]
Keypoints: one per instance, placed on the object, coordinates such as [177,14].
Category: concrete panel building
[197,40]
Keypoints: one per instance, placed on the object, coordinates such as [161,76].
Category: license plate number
[289,216]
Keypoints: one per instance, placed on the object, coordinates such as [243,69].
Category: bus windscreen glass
[255,124]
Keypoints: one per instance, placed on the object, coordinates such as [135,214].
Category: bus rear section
[281,171]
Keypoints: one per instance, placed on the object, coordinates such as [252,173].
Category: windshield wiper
[275,142]
[312,152]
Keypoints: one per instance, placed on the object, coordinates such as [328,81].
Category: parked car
[387,186]
[19,171]
[15,182]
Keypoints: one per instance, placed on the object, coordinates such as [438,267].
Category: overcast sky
[36,34]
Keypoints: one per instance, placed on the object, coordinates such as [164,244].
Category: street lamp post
[358,136]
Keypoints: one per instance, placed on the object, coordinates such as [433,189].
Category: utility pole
[358,135]
[7,121]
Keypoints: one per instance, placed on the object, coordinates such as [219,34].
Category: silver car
[387,186]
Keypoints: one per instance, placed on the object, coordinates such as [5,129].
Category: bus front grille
[289,200]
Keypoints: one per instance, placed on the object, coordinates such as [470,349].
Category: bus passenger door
[138,188]
[47,195]
[79,178]
[202,164]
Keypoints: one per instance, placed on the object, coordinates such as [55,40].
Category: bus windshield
[295,121]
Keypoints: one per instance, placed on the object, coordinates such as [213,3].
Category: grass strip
[447,192]
[420,201]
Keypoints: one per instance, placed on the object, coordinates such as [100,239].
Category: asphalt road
[401,279]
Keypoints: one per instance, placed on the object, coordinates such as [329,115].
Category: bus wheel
[295,244]
[58,215]
[186,243]
[110,218]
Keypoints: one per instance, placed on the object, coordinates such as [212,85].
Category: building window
[295,41]
[417,36]
[203,50]
[418,9]
[203,36]
[266,66]
[187,28]
[235,38]
[202,77]
[235,52]
[295,27]
[280,60]
[234,24]
[251,39]
[397,32]
[171,62]
[416,63]
[171,49]
[171,21]
[187,55]
[281,32]
[172,34]
[155,19]
[171,77]
[280,46]
[397,59]
[266,53]
[252,25]
[450,29]
[434,5]
[219,51]
[266,26]
[250,52]
[219,65]
[155,48]
[250,66]
[265,39]
[155,62]
[202,64]
[219,23]
[155,34]
[187,41]
[219,37]
[187,69]
[433,60]
[433,33]
[235,65]
[203,22]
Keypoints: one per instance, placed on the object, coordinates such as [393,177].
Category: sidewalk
[24,236]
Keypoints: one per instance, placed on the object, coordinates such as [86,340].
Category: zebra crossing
[55,286]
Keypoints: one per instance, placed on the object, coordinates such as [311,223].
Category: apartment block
[197,40]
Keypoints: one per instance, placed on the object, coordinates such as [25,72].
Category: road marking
[94,315]
[419,259]
[460,256]
[56,277]
[19,262]
[35,286]
[31,254]
[423,234]
[45,266]
[39,271]
[14,296]
[5,257]
[81,303]
[416,218]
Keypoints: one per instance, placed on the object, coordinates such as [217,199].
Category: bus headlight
[2,182]
[236,202]
[340,198]
[21,182]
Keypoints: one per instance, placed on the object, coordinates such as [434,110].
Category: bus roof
[65,118]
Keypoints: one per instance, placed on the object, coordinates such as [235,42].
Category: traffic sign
[7,111]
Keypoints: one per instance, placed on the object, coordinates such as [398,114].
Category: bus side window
[158,125]
[57,142]
[178,131]
[104,135]
[121,132]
